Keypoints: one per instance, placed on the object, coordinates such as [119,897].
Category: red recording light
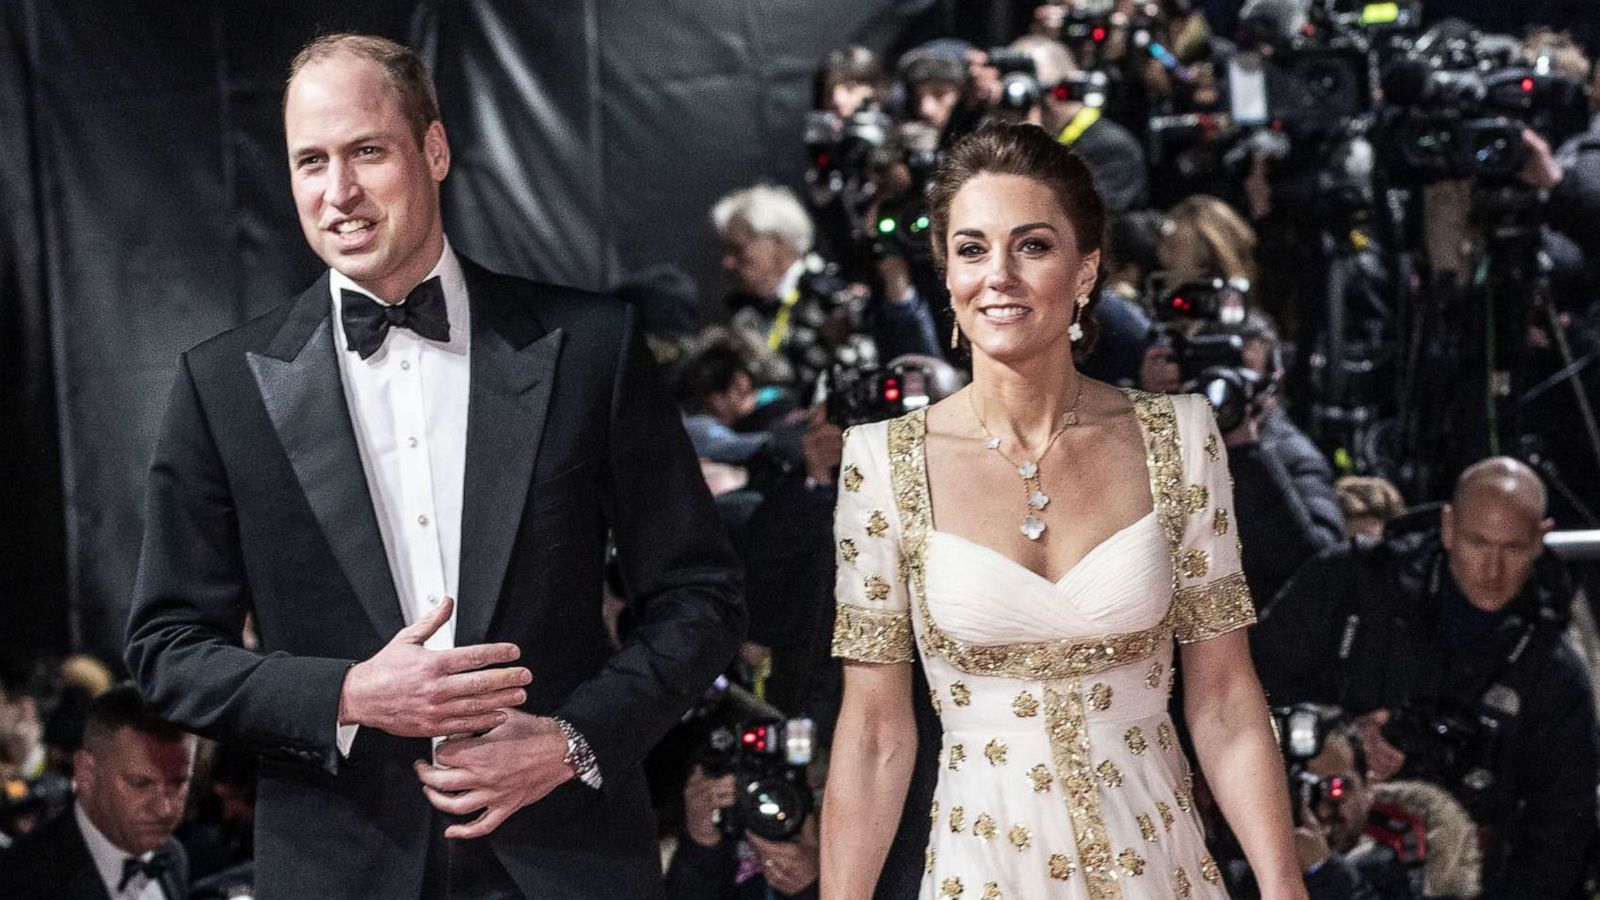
[891,390]
[1098,34]
[1180,304]
[822,160]
[1527,85]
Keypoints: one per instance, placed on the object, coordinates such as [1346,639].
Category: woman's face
[1014,270]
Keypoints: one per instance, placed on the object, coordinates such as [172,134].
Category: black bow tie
[152,868]
[367,322]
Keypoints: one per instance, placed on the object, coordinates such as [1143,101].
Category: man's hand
[497,773]
[895,273]
[823,446]
[1158,371]
[408,690]
[790,866]
[703,796]
[1540,169]
[1384,760]
[1248,431]
[1310,846]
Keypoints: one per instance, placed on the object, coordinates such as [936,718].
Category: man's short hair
[122,707]
[766,210]
[710,368]
[923,66]
[419,103]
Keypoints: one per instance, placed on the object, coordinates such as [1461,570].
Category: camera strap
[1080,123]
[1492,692]
[780,322]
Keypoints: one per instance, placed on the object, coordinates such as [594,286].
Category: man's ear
[436,147]
[1447,526]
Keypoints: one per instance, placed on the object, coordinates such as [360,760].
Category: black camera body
[857,396]
[1460,106]
[1302,730]
[1447,746]
[768,758]
[1211,364]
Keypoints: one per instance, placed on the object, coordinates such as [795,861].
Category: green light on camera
[921,224]
[887,226]
[1380,14]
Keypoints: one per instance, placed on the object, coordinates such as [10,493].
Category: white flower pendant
[1038,500]
[1032,527]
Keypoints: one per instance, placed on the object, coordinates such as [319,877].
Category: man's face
[20,729]
[367,195]
[845,97]
[757,262]
[1492,544]
[133,787]
[936,102]
[733,404]
[1344,818]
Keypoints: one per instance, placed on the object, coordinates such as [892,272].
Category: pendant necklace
[1032,526]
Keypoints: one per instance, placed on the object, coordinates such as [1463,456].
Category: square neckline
[1144,440]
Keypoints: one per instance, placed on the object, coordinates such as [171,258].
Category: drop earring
[955,335]
[1075,331]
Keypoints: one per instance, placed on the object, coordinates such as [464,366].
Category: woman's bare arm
[1230,724]
[874,752]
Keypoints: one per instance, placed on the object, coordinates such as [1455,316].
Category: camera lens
[773,808]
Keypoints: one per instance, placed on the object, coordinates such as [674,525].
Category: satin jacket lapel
[513,367]
[299,381]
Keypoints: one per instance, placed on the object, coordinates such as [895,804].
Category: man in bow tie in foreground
[409,473]
[130,783]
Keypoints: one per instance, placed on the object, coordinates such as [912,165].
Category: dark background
[144,201]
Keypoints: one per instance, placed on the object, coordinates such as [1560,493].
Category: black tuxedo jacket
[52,863]
[258,502]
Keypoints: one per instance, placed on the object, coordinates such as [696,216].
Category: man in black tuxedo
[131,780]
[409,474]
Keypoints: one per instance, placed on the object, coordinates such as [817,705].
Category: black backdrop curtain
[146,205]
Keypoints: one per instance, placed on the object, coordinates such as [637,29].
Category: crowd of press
[1368,239]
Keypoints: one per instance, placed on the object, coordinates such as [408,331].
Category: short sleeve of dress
[1212,598]
[873,623]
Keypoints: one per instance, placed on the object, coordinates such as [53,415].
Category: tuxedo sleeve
[189,603]
[679,572]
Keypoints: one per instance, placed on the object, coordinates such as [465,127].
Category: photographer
[1112,153]
[803,310]
[1448,645]
[1361,841]
[710,866]
[1286,507]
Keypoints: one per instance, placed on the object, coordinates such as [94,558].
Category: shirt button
[422,520]
[411,442]
[433,600]
[405,364]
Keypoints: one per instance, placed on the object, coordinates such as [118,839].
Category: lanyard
[780,322]
[1079,124]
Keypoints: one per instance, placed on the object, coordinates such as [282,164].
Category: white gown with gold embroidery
[1059,774]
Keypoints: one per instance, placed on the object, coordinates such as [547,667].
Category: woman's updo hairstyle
[1028,151]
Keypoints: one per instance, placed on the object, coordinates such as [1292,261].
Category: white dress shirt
[108,859]
[408,404]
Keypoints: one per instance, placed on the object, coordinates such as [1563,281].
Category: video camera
[857,396]
[768,756]
[1462,101]
[1211,364]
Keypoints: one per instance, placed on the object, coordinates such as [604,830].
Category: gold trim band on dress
[1069,747]
[871,635]
[1205,611]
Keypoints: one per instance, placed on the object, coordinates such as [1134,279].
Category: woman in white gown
[1040,540]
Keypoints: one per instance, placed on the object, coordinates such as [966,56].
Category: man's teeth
[351,225]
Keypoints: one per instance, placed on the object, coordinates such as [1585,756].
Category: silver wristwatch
[579,756]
